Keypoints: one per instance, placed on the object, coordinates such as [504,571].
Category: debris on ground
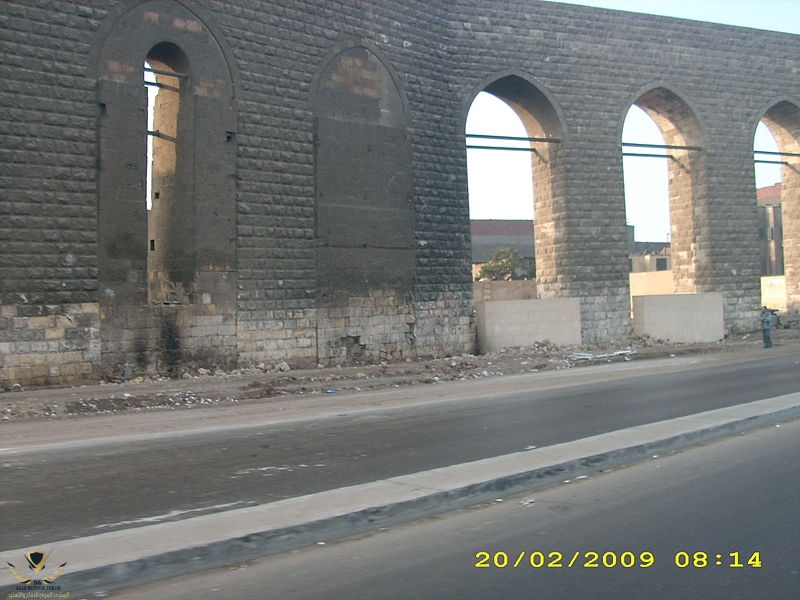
[207,388]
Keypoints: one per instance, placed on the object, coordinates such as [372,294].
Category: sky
[645,178]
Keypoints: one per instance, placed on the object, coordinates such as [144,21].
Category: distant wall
[687,318]
[773,292]
[651,283]
[504,290]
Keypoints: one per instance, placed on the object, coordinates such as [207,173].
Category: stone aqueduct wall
[319,212]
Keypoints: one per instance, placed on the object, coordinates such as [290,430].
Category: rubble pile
[206,388]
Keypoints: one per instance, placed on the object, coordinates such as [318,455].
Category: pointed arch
[364,208]
[542,120]
[360,111]
[782,118]
[395,103]
[180,257]
[684,138]
[523,92]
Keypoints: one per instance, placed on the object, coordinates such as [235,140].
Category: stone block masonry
[310,203]
[49,344]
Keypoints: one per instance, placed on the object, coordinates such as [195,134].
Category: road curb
[136,556]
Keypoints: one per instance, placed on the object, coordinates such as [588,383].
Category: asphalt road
[68,491]
[693,517]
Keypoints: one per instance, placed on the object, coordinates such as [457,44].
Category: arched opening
[500,191]
[170,264]
[782,121]
[768,197]
[523,130]
[676,140]
[167,240]
[646,203]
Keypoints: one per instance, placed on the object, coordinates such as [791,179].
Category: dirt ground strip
[206,389]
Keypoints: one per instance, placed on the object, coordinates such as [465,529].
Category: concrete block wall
[684,318]
[518,323]
[652,283]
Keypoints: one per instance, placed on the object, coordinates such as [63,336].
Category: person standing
[767,318]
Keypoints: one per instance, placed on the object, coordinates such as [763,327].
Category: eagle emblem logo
[36,563]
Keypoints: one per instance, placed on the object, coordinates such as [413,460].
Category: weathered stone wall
[256,289]
[46,344]
[592,64]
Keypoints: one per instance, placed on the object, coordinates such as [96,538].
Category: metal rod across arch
[509,138]
[163,136]
[665,146]
[473,147]
[775,153]
[647,155]
[167,73]
[513,138]
[162,86]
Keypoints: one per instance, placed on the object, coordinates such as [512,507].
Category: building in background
[770,230]
[489,235]
[647,256]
